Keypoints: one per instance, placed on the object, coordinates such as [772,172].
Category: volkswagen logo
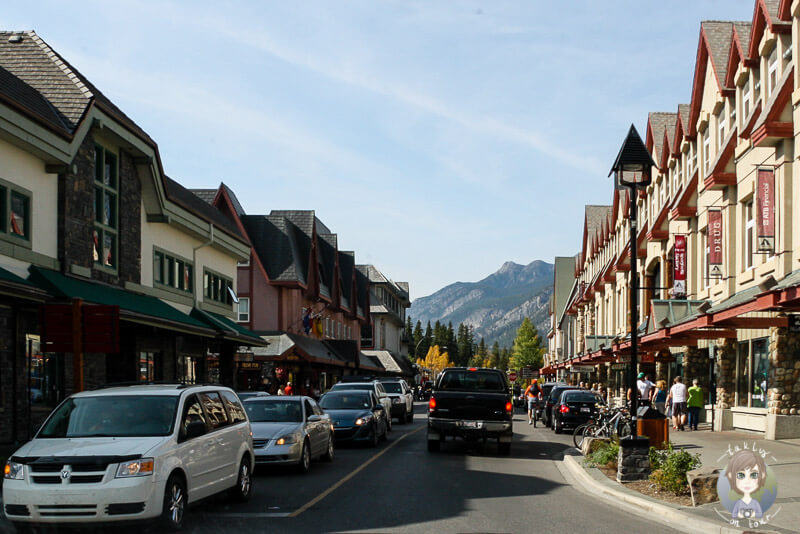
[66,473]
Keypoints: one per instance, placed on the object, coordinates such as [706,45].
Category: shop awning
[385,357]
[230,330]
[284,346]
[16,286]
[134,307]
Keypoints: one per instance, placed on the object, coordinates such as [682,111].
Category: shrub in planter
[606,455]
[669,469]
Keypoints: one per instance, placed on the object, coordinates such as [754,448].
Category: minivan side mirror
[195,429]
[314,418]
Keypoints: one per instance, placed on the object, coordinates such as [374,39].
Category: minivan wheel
[174,508]
[244,483]
[305,459]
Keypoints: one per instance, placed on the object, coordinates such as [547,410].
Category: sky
[438,139]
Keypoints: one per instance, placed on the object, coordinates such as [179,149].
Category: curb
[646,507]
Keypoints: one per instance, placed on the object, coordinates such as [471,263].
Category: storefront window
[187,369]
[149,366]
[45,375]
[752,371]
[760,373]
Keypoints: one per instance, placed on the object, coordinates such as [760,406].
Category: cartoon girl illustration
[746,474]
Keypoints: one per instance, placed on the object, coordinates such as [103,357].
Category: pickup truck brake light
[509,407]
[432,404]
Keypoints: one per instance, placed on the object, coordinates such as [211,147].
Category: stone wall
[695,366]
[784,370]
[725,360]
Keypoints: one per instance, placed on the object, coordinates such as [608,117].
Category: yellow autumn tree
[435,360]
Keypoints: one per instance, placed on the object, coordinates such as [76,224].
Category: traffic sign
[512,376]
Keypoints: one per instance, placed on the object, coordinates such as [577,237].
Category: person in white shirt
[678,394]
[646,388]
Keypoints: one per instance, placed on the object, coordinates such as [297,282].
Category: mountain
[494,306]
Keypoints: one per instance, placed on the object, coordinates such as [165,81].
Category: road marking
[350,475]
[251,515]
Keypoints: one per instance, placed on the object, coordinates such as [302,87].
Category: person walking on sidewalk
[678,394]
[660,396]
[694,404]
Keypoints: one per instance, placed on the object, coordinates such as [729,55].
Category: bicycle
[611,422]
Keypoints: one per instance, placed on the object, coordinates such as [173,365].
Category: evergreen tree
[464,346]
[452,344]
[409,331]
[417,338]
[505,356]
[427,340]
[528,349]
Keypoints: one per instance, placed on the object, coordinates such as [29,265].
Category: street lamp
[632,171]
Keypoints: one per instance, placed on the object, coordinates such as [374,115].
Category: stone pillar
[695,365]
[725,367]
[784,370]
[661,370]
[633,461]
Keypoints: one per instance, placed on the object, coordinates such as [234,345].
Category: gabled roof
[738,54]
[347,263]
[681,127]
[714,45]
[657,122]
[362,292]
[594,218]
[274,239]
[327,245]
[765,15]
[186,198]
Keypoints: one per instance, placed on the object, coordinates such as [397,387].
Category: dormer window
[772,71]
[746,99]
[720,128]
[706,150]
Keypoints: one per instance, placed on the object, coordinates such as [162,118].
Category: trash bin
[653,424]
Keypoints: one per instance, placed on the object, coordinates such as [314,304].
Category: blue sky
[438,139]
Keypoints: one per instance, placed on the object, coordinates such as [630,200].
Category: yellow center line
[350,475]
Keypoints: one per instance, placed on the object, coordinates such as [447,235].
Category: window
[106,190]
[214,410]
[244,310]
[235,411]
[692,160]
[218,288]
[15,212]
[173,272]
[749,235]
[746,94]
[752,365]
[192,413]
[45,375]
[721,128]
[772,71]
[243,263]
[706,150]
[707,258]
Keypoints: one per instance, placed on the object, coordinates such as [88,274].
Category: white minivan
[131,453]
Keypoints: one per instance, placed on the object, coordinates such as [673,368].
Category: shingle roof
[743,30]
[270,236]
[671,123]
[658,122]
[206,195]
[718,35]
[595,218]
[327,261]
[237,206]
[186,198]
[684,110]
[347,262]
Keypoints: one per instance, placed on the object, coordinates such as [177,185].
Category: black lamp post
[632,171]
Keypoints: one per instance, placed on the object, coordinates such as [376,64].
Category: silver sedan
[289,430]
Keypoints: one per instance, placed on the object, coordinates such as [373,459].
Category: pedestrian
[280,391]
[532,394]
[660,396]
[645,387]
[678,394]
[694,403]
[604,394]
[288,390]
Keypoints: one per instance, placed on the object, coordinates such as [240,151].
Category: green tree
[527,349]
[480,356]
[417,340]
[505,357]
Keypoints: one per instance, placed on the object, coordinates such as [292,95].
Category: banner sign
[679,267]
[765,216]
[715,244]
[582,369]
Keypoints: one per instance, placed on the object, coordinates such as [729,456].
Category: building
[719,256]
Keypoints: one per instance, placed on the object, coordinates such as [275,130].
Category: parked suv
[402,398]
[367,384]
[131,453]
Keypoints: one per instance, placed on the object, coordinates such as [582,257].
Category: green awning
[230,329]
[133,306]
[16,286]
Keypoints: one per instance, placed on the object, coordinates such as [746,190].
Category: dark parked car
[357,415]
[471,403]
[574,407]
[555,392]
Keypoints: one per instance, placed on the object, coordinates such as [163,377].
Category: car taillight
[509,407]
[432,404]
[564,408]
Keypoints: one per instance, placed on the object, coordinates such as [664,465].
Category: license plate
[471,424]
[586,410]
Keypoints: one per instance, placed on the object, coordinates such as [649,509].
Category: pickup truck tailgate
[465,405]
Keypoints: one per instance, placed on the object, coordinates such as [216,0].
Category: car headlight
[363,420]
[286,440]
[14,471]
[135,468]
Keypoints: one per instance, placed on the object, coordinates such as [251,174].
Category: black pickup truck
[472,403]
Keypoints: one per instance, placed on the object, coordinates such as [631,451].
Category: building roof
[186,198]
[657,125]
[563,280]
[347,262]
[718,36]
[275,241]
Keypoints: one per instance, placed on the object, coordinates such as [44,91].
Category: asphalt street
[401,487]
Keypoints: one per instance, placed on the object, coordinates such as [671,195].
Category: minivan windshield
[115,416]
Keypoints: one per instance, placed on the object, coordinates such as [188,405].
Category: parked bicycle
[610,422]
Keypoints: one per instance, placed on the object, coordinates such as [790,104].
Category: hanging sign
[765,217]
[715,244]
[679,267]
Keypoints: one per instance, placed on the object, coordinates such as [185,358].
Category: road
[400,487]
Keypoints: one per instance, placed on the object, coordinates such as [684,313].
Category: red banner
[715,244]
[765,216]
[679,267]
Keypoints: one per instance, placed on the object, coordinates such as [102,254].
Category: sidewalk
[783,456]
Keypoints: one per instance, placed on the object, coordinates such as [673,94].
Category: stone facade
[784,371]
[725,360]
[633,462]
[695,366]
